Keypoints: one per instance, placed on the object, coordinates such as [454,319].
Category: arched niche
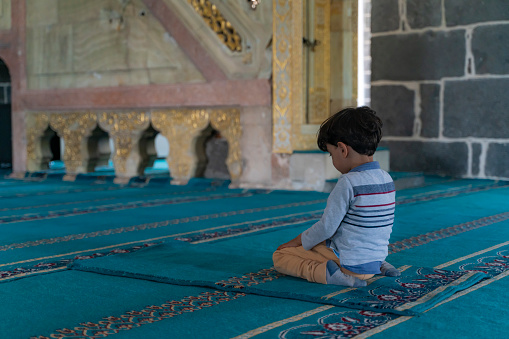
[50,145]
[99,149]
[212,151]
[161,147]
[147,149]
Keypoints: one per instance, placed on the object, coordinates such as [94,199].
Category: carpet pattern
[211,248]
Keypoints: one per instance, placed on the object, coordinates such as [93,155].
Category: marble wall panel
[256,145]
[55,43]
[5,14]
[75,11]
[99,47]
[95,43]
[41,13]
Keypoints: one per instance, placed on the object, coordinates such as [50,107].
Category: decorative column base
[125,129]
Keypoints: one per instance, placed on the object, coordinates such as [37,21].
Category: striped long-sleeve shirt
[357,221]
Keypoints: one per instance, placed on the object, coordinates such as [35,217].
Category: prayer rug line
[448,233]
[349,326]
[114,324]
[50,267]
[402,319]
[152,225]
[81,190]
[425,238]
[101,199]
[119,207]
[447,193]
[150,314]
[34,269]
[280,323]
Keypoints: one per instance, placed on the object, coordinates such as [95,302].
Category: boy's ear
[343,148]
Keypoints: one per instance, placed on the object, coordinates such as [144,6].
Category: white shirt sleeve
[338,204]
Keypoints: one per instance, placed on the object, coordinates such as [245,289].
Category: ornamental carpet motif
[201,256]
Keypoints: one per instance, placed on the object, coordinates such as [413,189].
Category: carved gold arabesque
[318,84]
[181,127]
[216,21]
[74,128]
[125,129]
[283,106]
[37,124]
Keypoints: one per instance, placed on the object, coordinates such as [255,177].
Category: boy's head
[358,128]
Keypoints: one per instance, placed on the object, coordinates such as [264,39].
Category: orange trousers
[310,265]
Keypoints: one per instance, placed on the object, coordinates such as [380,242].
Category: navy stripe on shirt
[349,223]
[374,189]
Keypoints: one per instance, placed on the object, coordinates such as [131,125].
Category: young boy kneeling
[350,242]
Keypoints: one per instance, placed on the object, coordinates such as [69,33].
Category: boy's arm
[338,204]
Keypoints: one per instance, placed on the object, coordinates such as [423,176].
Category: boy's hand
[292,243]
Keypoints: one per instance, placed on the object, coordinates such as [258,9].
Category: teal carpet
[92,259]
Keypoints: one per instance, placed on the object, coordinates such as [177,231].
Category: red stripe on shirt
[392,203]
[374,193]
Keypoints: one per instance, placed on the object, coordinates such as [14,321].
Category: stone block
[464,12]
[489,46]
[174,75]
[150,46]
[422,14]
[99,47]
[5,14]
[310,170]
[384,15]
[395,106]
[497,161]
[78,11]
[476,108]
[111,78]
[41,13]
[422,56]
[476,157]
[49,49]
[280,166]
[430,110]
[443,158]
[256,146]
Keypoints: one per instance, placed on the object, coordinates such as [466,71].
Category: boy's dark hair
[358,128]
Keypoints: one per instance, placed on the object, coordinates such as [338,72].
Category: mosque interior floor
[91,259]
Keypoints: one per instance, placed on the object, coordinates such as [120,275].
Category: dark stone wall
[439,78]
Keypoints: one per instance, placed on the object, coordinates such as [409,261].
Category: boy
[350,242]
